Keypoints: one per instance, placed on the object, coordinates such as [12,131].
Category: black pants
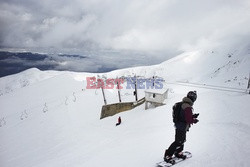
[178,145]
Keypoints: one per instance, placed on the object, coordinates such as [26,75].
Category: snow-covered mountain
[49,118]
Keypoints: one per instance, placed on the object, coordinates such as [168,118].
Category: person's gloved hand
[195,121]
[196,115]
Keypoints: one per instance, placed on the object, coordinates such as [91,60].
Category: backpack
[176,112]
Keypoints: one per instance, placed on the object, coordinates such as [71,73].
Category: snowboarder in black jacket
[182,125]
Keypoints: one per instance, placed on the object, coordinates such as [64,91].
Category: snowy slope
[25,78]
[54,120]
[218,67]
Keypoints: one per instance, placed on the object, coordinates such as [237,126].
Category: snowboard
[177,160]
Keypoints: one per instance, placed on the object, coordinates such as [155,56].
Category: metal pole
[136,98]
[248,87]
[105,102]
[119,95]
[153,81]
[101,84]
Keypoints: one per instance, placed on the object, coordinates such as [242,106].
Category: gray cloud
[137,27]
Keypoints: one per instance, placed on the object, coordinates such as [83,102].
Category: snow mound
[28,77]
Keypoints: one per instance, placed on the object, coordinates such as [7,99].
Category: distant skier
[183,117]
[119,121]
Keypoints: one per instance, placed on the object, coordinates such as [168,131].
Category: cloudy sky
[136,29]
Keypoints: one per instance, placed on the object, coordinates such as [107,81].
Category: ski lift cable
[212,87]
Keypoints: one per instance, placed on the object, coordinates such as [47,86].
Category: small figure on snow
[119,121]
[183,118]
